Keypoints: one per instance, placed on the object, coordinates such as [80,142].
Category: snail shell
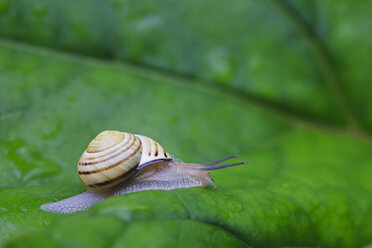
[112,157]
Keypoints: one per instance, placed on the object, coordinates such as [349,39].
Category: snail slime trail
[117,163]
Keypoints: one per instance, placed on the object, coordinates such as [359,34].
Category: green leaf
[116,233]
[241,44]
[284,92]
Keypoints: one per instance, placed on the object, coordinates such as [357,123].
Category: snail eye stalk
[210,168]
[220,160]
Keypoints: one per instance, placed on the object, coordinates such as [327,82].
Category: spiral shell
[113,156]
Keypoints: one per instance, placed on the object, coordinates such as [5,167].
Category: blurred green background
[284,84]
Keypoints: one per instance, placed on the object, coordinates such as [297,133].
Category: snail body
[117,163]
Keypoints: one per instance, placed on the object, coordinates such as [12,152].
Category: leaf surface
[297,114]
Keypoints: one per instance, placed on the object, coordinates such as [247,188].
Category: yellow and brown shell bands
[107,164]
[152,151]
[113,156]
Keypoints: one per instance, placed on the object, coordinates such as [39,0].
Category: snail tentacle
[210,168]
[220,160]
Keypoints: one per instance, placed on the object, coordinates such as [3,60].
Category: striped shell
[113,156]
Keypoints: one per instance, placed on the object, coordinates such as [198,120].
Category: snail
[117,163]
